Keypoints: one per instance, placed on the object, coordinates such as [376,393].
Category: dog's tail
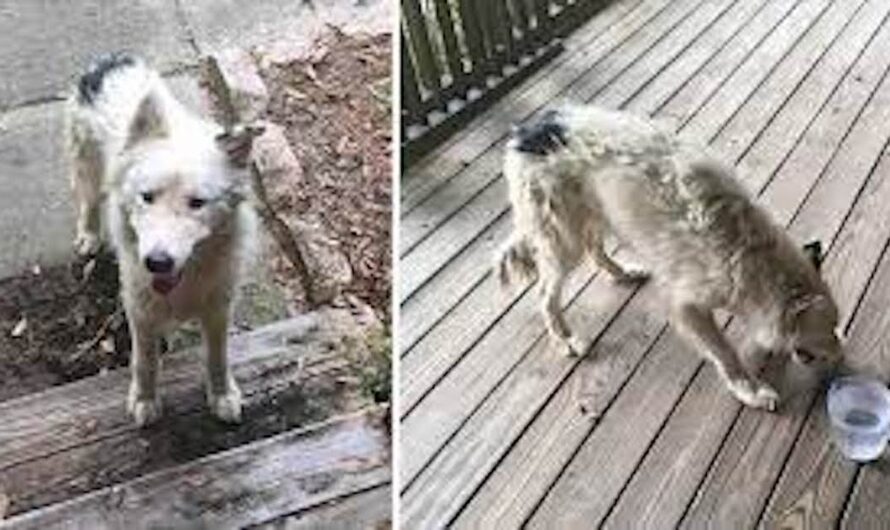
[516,261]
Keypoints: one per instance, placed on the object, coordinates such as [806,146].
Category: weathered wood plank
[442,292]
[756,68]
[366,510]
[745,17]
[695,92]
[449,477]
[821,56]
[78,437]
[674,44]
[289,472]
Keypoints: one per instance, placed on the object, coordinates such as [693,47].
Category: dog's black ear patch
[545,136]
[90,84]
[813,250]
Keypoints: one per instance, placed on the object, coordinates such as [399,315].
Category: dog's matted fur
[581,173]
[174,188]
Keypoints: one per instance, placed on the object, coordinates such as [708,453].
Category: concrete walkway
[44,47]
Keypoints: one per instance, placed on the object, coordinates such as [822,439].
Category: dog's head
[814,338]
[178,188]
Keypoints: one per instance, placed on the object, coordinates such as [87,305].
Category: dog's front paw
[226,407]
[87,244]
[755,394]
[144,411]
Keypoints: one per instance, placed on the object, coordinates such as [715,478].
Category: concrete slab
[222,24]
[36,216]
[45,45]
[36,212]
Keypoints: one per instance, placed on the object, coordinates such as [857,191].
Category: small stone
[19,328]
[240,84]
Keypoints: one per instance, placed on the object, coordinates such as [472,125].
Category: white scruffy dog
[581,173]
[174,188]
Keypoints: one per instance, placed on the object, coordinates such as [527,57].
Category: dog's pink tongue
[164,283]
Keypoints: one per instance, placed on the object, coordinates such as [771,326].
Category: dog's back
[683,211]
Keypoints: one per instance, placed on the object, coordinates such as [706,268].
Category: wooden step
[265,480]
[72,439]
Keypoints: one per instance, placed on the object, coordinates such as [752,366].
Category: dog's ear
[148,122]
[237,141]
[813,250]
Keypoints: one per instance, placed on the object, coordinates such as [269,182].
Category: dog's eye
[804,356]
[196,203]
[148,197]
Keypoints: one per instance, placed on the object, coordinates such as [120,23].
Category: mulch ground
[335,105]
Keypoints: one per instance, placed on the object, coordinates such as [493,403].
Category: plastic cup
[859,409]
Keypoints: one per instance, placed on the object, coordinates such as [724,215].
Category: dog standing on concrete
[581,173]
[174,189]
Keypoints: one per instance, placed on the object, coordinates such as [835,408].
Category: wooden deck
[499,430]
[312,450]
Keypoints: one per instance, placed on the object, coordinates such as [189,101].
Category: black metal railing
[458,56]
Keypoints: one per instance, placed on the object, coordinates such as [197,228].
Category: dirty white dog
[582,173]
[173,187]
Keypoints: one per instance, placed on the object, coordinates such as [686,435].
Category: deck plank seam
[782,61]
[539,337]
[825,102]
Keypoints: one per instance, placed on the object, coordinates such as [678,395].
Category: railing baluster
[473,38]
[453,46]
[423,50]
[452,51]
[412,111]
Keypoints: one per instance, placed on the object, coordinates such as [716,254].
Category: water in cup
[859,408]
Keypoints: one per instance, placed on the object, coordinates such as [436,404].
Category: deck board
[499,429]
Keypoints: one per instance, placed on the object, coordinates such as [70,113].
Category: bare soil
[60,324]
[335,104]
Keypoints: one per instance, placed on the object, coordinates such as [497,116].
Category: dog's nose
[159,263]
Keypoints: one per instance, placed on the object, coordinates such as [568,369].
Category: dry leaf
[20,328]
[88,269]
[107,344]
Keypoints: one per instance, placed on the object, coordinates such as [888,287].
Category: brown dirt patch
[72,326]
[334,103]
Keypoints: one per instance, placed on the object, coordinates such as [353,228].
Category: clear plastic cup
[859,409]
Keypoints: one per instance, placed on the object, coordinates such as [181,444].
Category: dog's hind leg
[143,401]
[86,179]
[223,395]
[697,326]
